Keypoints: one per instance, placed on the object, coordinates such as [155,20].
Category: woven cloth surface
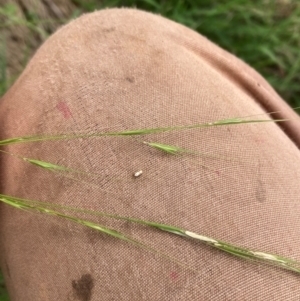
[124,69]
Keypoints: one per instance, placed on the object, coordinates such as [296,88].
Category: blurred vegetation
[264,33]
[3,292]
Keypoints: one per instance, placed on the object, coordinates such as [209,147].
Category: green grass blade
[46,165]
[232,121]
[50,166]
[234,250]
[263,257]
[170,149]
[164,147]
[176,150]
[29,206]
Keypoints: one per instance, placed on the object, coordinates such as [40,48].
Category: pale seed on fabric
[138,173]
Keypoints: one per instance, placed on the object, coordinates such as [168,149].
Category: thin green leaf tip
[171,149]
[46,165]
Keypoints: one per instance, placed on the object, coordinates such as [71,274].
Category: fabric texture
[123,69]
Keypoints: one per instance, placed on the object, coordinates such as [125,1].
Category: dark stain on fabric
[130,79]
[93,236]
[260,192]
[83,287]
[109,29]
[7,269]
[57,230]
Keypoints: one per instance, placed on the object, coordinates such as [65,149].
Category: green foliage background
[264,33]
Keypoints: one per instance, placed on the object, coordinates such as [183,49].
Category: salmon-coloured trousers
[124,69]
